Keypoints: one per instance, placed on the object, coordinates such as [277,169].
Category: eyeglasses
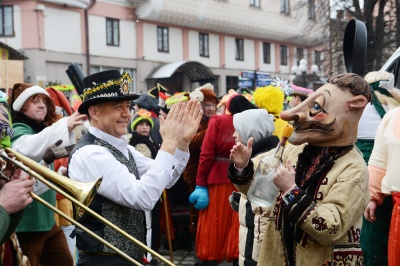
[6,130]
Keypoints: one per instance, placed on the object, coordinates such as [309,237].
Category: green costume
[37,217]
[374,236]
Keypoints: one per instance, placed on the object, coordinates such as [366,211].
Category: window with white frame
[285,7]
[267,52]
[112,31]
[284,55]
[255,3]
[163,39]
[203,45]
[239,49]
[311,9]
[7,21]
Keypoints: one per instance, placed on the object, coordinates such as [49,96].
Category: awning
[13,54]
[194,70]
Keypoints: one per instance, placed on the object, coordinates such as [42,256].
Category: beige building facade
[179,43]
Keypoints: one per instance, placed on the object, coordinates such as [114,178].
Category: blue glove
[199,198]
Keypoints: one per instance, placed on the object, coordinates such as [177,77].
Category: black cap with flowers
[105,86]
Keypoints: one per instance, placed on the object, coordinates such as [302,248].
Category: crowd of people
[175,170]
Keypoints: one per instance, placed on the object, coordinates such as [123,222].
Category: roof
[194,70]
[13,54]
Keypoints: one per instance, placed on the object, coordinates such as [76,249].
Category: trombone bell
[82,192]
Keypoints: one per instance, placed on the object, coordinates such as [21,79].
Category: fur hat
[256,123]
[270,98]
[238,103]
[59,100]
[142,115]
[204,93]
[209,96]
[105,86]
[21,92]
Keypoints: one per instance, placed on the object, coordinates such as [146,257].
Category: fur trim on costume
[19,102]
[270,98]
[386,81]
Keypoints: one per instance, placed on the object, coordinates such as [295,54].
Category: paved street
[183,257]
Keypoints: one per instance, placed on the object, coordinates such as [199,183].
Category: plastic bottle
[263,191]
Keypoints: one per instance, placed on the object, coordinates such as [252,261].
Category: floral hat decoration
[142,115]
[105,86]
[283,84]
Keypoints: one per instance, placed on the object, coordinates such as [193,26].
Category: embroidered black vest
[130,220]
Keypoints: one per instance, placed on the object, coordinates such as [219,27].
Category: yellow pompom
[287,131]
[270,98]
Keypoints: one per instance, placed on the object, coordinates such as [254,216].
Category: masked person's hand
[56,151]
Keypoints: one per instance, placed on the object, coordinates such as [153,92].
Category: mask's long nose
[296,113]
[289,115]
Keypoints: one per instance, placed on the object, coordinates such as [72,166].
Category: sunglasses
[6,130]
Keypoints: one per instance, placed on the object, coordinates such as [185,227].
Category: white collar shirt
[91,162]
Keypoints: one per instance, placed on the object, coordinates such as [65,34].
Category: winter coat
[325,222]
[214,156]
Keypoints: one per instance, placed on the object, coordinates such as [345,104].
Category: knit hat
[21,92]
[105,86]
[270,98]
[256,123]
[59,100]
[238,103]
[300,90]
[142,115]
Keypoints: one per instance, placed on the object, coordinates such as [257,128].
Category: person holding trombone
[15,187]
[131,182]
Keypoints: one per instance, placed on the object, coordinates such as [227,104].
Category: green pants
[374,236]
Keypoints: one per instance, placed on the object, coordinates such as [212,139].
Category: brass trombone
[81,194]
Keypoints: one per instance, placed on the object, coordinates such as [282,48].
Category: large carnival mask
[329,116]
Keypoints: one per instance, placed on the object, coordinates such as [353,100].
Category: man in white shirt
[131,182]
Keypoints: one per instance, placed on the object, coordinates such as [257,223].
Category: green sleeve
[21,130]
[4,224]
[8,223]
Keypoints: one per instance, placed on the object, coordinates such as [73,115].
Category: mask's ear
[357,102]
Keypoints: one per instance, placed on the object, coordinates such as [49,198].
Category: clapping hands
[180,126]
